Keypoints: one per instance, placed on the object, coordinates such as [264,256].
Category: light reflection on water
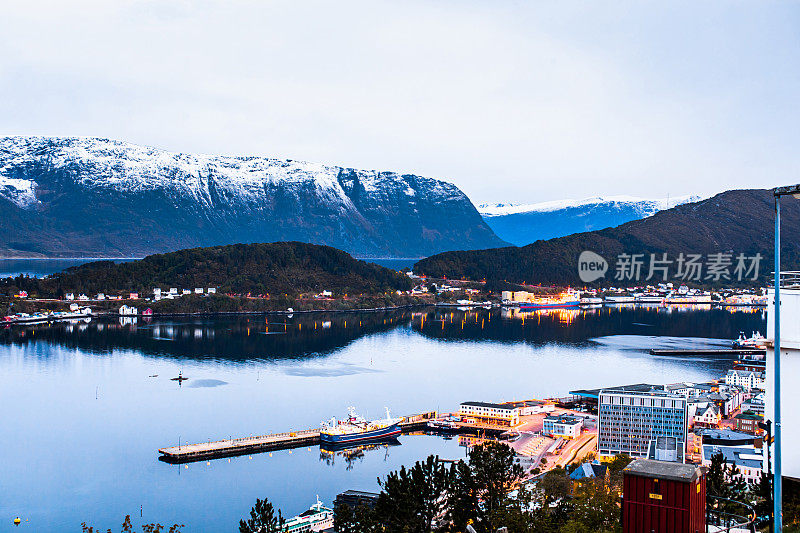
[82,416]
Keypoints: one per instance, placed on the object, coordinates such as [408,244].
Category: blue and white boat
[356,429]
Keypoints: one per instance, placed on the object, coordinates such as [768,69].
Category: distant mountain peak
[646,205]
[523,224]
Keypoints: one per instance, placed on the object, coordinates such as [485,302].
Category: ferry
[355,429]
[568,298]
[317,518]
[757,340]
[618,299]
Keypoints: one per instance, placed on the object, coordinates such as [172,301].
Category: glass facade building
[629,420]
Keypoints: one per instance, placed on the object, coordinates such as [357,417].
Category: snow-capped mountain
[523,224]
[99,197]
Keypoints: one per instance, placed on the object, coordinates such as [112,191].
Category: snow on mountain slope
[646,206]
[523,224]
[119,188]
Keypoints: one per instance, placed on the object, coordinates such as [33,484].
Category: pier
[723,351]
[189,453]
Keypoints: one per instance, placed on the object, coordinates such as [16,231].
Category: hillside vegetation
[281,268]
[739,221]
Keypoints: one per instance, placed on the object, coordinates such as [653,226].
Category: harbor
[188,453]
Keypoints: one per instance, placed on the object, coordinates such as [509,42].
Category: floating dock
[189,453]
[724,351]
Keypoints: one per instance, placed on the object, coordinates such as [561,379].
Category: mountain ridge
[86,196]
[736,221]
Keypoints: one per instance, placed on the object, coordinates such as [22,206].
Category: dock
[724,351]
[189,453]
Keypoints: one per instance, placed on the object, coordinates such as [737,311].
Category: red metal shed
[663,497]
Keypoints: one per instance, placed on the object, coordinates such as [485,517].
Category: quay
[722,351]
[189,453]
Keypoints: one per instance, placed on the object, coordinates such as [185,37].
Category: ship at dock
[357,429]
[568,298]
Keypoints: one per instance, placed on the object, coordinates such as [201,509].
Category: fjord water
[86,406]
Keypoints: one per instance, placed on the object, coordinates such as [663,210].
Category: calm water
[85,407]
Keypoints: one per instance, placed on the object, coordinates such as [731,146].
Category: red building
[663,497]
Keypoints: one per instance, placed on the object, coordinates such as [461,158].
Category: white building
[100,296]
[127,310]
[198,290]
[493,414]
[745,378]
[704,413]
[69,296]
[156,293]
[212,290]
[186,291]
[562,426]
[173,291]
[790,370]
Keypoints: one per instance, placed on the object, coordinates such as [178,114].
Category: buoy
[17,521]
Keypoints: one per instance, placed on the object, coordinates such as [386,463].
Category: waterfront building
[562,426]
[69,296]
[212,290]
[748,460]
[532,407]
[156,294]
[198,290]
[629,420]
[492,414]
[746,379]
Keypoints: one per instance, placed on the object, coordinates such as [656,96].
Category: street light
[777,483]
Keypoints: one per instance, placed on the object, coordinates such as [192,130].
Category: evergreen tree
[262,519]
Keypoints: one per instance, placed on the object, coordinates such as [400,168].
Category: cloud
[509,100]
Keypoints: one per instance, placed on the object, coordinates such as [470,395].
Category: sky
[513,101]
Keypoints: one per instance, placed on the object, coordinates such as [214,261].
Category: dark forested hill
[738,221]
[276,269]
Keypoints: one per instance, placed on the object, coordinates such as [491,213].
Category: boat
[356,428]
[688,299]
[442,425]
[316,518]
[756,340]
[650,298]
[568,298]
[590,300]
[618,299]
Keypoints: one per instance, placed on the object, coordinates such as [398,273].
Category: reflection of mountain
[237,339]
[574,326]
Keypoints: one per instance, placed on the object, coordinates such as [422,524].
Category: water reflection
[580,326]
[237,339]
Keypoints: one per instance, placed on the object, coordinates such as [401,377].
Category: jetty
[722,351]
[232,447]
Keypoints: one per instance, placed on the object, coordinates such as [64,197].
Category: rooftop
[724,436]
[595,393]
[664,470]
[564,419]
[746,456]
[489,405]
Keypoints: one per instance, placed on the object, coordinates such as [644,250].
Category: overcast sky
[513,101]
